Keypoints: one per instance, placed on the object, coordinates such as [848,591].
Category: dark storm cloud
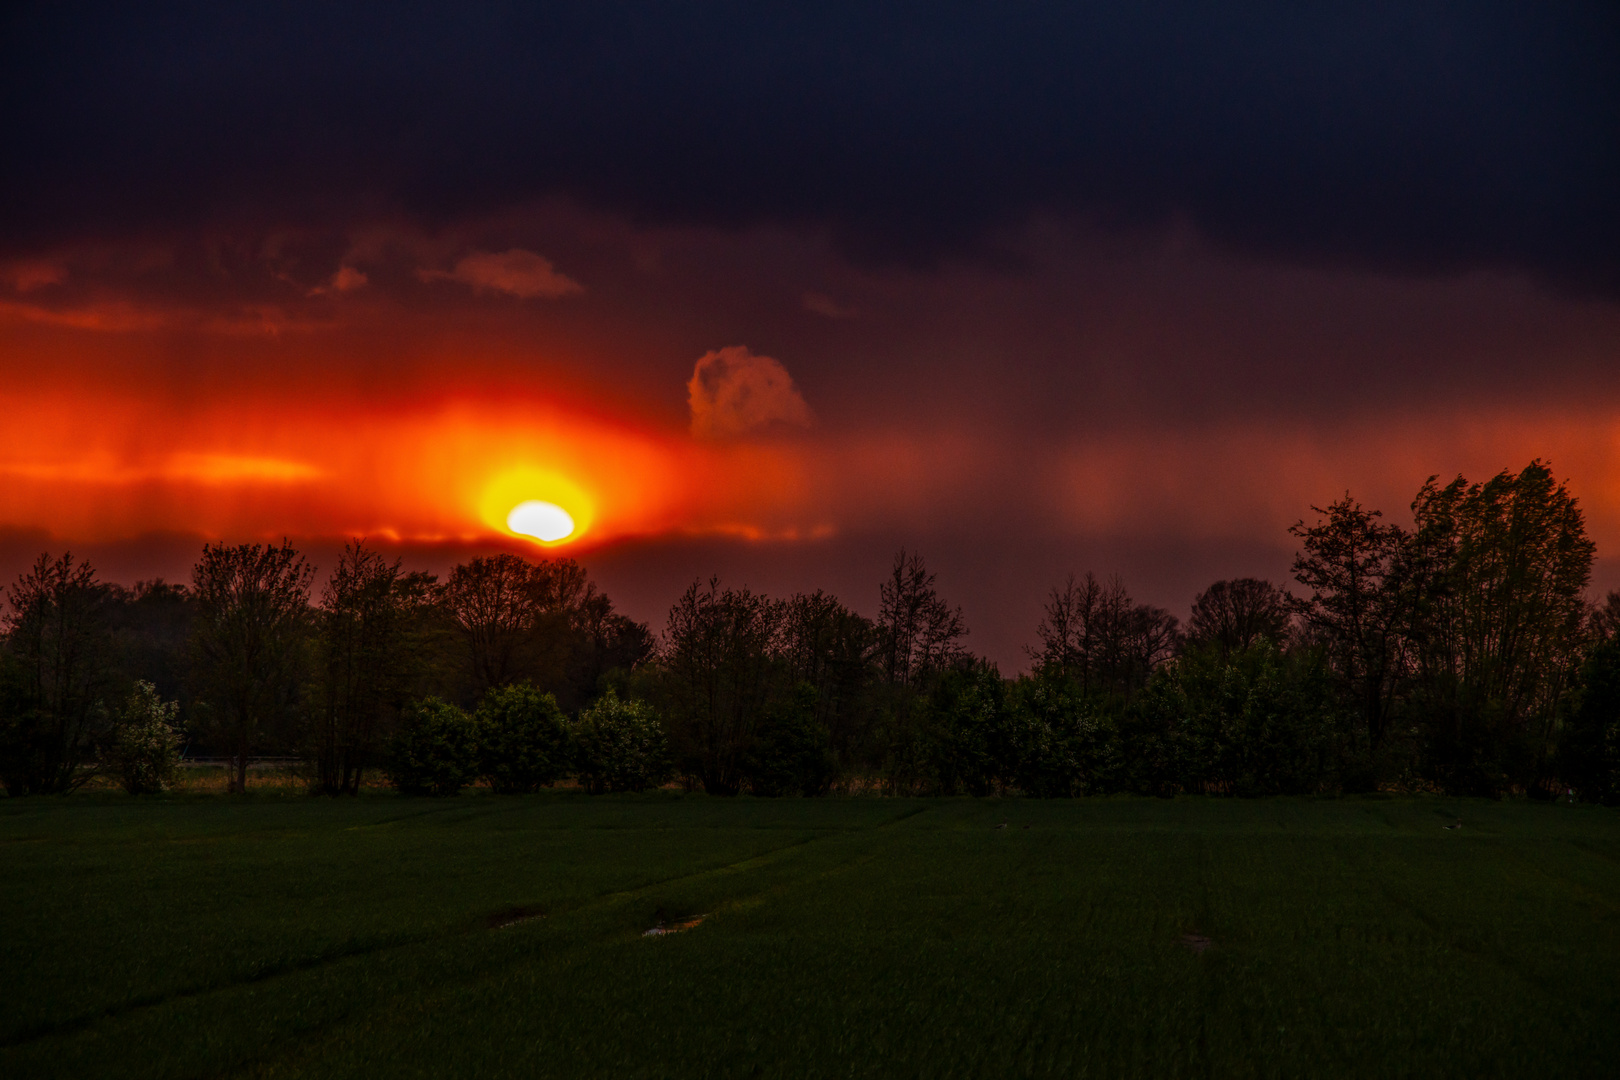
[1409,135]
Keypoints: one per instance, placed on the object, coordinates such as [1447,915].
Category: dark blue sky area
[1406,136]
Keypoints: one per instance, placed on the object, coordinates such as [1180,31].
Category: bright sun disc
[541,520]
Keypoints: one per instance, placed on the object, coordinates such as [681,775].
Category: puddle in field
[1198,943]
[673,928]
[512,916]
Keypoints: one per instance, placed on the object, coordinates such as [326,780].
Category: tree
[919,634]
[151,631]
[720,675]
[544,623]
[1230,616]
[969,744]
[1356,609]
[619,746]
[367,613]
[522,739]
[59,661]
[829,648]
[1062,744]
[1099,637]
[1499,572]
[1589,743]
[495,603]
[248,644]
[792,751]
[435,750]
[144,747]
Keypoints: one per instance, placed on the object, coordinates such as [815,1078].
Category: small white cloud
[822,304]
[517,272]
[733,392]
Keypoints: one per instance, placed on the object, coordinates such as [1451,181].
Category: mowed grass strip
[840,938]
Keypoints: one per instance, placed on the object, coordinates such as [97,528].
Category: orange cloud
[516,272]
[733,392]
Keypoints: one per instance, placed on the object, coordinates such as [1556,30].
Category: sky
[770,292]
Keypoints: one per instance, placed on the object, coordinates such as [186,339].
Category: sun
[540,504]
[544,521]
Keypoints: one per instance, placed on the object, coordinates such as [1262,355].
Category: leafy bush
[792,752]
[1260,722]
[143,748]
[435,751]
[969,748]
[1063,742]
[522,739]
[619,746]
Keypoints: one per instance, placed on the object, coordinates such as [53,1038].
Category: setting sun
[539,504]
[542,520]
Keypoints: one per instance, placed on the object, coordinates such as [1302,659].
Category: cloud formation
[1421,136]
[733,392]
[516,272]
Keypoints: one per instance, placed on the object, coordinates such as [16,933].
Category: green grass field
[203,936]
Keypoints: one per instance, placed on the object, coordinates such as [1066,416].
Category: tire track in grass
[1440,930]
[473,928]
[316,1041]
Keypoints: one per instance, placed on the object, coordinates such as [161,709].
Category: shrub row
[519,741]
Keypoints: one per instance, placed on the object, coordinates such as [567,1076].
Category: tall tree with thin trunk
[1351,563]
[365,616]
[1503,616]
[720,661]
[58,646]
[919,634]
[248,644]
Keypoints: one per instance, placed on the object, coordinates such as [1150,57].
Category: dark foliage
[368,637]
[619,746]
[249,642]
[792,750]
[435,750]
[522,739]
[1589,749]
[56,678]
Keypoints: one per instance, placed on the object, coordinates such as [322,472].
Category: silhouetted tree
[1356,609]
[248,644]
[1589,742]
[720,675]
[1097,636]
[151,630]
[970,744]
[1499,572]
[830,649]
[919,634]
[1230,616]
[496,604]
[58,660]
[544,623]
[368,612]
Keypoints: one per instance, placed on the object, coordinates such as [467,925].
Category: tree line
[1459,654]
